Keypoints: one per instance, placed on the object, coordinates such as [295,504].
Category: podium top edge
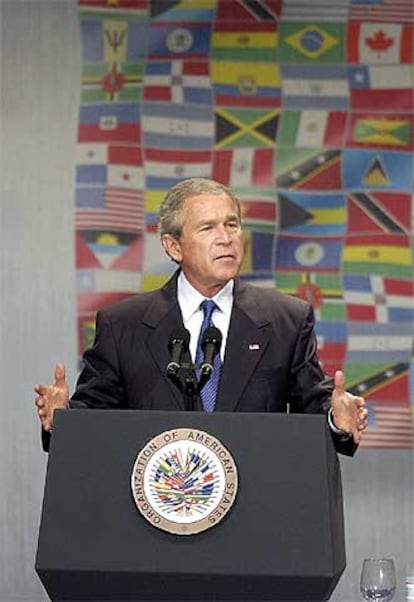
[181,413]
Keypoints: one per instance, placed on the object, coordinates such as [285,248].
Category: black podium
[282,540]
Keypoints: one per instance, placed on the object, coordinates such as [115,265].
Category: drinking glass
[378,579]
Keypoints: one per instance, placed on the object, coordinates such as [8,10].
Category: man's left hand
[348,411]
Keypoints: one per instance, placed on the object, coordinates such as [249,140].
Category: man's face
[210,249]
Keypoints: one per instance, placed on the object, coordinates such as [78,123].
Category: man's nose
[223,234]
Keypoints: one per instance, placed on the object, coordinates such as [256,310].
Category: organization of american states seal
[184,481]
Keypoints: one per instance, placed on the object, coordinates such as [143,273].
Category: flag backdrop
[306,109]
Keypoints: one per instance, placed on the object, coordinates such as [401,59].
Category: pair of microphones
[178,346]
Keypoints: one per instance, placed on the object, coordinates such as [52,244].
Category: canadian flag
[379,43]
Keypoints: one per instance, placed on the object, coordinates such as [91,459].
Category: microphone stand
[190,392]
[190,388]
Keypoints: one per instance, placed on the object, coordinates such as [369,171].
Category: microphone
[210,344]
[177,345]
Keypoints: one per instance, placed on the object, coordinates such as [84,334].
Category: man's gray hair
[170,212]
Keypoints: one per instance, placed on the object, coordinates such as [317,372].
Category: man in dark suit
[268,356]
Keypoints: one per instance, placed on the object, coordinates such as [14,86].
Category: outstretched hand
[348,411]
[52,397]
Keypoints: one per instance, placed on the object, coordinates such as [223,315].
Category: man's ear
[172,247]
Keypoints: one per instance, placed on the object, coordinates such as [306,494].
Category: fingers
[40,389]
[362,419]
[350,412]
[49,397]
[45,422]
[359,401]
[40,402]
[43,413]
[52,397]
[339,382]
[357,437]
[60,374]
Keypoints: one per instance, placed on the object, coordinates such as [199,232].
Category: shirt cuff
[335,429]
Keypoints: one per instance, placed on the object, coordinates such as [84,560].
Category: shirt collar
[190,298]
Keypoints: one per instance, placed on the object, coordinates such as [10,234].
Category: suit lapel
[246,343]
[164,316]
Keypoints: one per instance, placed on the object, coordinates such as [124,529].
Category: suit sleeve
[311,389]
[100,381]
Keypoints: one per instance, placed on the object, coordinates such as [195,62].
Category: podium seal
[184,481]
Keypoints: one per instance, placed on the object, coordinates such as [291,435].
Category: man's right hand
[52,397]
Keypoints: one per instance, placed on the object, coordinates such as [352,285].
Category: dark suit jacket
[270,361]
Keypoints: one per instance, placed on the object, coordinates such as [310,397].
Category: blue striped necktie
[209,391]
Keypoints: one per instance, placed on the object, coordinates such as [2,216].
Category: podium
[283,539]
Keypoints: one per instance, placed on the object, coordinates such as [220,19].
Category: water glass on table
[377,582]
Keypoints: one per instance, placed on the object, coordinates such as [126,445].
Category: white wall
[40,51]
[39,98]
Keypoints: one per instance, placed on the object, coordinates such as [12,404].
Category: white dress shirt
[189,300]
